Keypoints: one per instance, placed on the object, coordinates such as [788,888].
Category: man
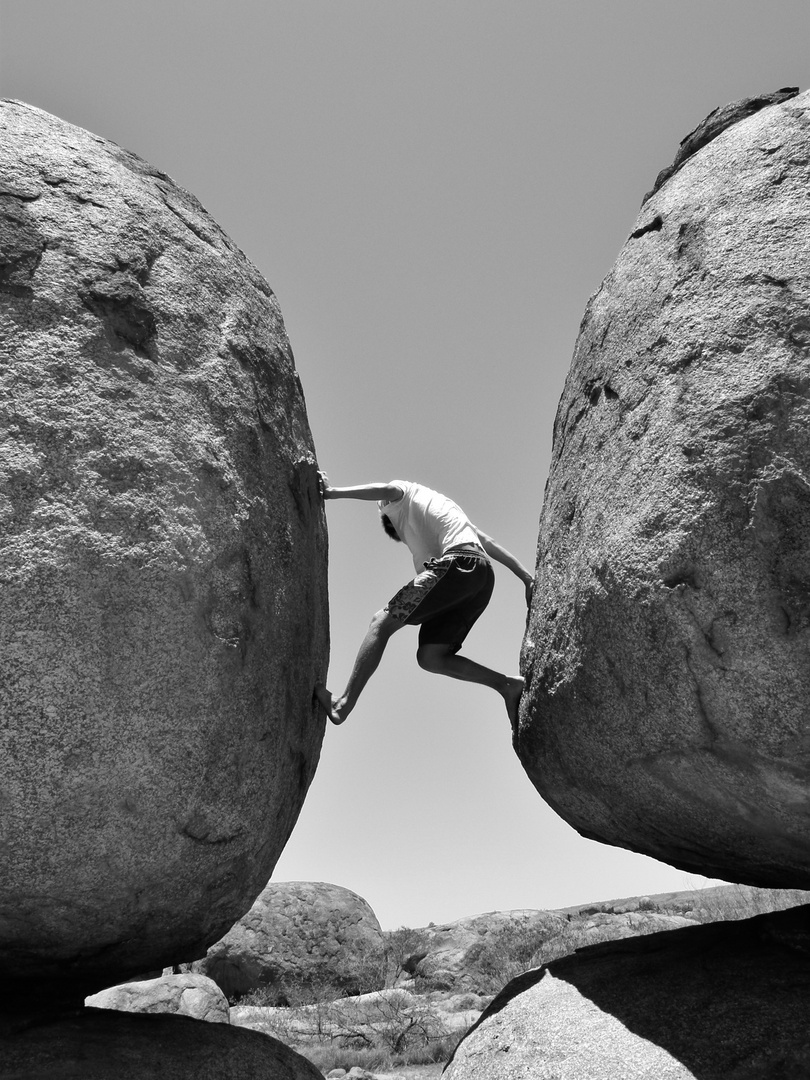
[453,584]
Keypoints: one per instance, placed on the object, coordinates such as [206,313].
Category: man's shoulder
[403,488]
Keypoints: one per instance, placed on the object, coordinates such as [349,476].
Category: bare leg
[368,658]
[441,660]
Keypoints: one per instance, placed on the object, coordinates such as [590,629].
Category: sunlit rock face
[163,560]
[726,1000]
[300,936]
[667,655]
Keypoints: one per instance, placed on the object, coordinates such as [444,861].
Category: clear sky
[433,188]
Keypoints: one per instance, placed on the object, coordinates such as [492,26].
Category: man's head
[389,528]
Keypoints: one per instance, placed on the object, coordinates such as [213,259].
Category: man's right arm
[370,492]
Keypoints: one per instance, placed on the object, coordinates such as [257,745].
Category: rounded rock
[97,1044]
[188,994]
[163,612]
[300,935]
[666,655]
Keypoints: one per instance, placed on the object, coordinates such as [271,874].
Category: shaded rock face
[726,1000]
[163,612]
[187,995]
[467,954]
[96,1044]
[666,655]
[297,935]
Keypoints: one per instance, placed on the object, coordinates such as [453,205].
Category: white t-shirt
[429,523]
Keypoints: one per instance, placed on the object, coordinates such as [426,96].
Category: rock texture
[187,995]
[666,655]
[96,1044]
[467,954]
[727,1001]
[300,934]
[606,926]
[163,611]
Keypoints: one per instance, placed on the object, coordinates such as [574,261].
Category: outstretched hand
[529,593]
[324,486]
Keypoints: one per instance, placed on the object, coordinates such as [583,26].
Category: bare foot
[328,703]
[512,695]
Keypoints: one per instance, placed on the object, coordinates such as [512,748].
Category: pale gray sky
[433,188]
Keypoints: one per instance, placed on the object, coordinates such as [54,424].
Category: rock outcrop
[469,954]
[97,1044]
[300,935]
[666,652]
[726,1000]
[163,612]
[184,995]
[607,926]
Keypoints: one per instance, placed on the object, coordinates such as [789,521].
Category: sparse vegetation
[375,1031]
[387,1029]
[508,952]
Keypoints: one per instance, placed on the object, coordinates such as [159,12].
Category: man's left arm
[507,559]
[370,492]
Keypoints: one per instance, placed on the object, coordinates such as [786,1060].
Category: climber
[452,587]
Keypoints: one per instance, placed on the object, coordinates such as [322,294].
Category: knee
[383,622]
[431,658]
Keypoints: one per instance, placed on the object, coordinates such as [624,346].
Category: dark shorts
[446,598]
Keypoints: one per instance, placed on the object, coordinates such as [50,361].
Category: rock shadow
[728,1000]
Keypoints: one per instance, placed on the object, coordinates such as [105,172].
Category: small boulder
[187,995]
[299,936]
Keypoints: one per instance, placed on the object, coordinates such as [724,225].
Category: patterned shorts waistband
[467,549]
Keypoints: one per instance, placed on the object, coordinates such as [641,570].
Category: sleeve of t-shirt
[403,485]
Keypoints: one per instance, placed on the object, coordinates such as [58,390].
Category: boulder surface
[473,953]
[300,935]
[726,1001]
[188,994]
[163,612]
[97,1044]
[666,656]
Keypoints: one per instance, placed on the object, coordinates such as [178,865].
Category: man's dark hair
[389,528]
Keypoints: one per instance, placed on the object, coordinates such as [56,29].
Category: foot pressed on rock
[328,703]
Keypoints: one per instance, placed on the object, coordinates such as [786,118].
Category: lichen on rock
[299,937]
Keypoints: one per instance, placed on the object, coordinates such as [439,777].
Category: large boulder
[96,1044]
[726,1000]
[480,952]
[300,936]
[666,656]
[163,612]
[188,994]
